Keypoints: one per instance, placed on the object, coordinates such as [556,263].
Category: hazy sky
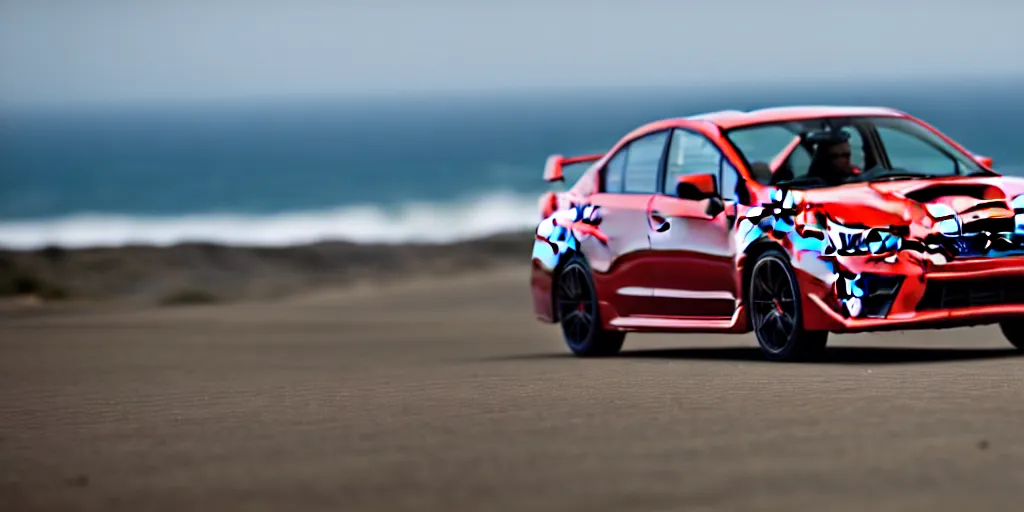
[142,50]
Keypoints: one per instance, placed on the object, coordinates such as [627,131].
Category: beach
[346,377]
[269,257]
[189,273]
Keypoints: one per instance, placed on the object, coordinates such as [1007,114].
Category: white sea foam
[414,222]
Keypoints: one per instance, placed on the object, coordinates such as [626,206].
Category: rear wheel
[776,314]
[579,314]
[1013,331]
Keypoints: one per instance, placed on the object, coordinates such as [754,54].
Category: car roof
[727,119]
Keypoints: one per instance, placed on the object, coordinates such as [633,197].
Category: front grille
[972,293]
[973,245]
[992,225]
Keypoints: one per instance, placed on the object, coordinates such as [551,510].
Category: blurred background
[373,124]
[273,123]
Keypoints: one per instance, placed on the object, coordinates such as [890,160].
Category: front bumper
[958,293]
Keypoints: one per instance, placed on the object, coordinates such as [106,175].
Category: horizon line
[378,96]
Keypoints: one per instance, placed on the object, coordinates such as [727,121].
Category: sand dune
[205,272]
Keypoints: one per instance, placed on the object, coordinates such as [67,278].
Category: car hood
[981,203]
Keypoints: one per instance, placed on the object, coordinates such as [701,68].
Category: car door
[627,184]
[692,249]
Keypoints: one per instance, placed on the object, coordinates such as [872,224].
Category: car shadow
[833,355]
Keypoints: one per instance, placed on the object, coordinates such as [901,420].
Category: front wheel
[1013,331]
[776,314]
[579,313]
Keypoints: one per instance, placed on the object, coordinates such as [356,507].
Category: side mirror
[696,187]
[986,161]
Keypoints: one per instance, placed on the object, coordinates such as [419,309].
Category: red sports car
[791,222]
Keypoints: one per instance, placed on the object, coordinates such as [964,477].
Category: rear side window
[613,172]
[643,163]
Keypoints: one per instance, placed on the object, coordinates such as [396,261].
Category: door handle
[658,222]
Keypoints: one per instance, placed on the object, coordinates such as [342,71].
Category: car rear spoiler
[554,164]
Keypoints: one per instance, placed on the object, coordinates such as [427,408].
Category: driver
[832,162]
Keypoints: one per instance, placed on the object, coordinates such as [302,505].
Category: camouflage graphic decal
[811,234]
[559,234]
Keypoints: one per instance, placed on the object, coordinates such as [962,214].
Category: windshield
[799,153]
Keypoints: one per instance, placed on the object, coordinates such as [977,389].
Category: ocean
[420,168]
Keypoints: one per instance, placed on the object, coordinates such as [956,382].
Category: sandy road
[451,397]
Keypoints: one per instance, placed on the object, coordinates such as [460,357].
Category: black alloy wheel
[775,311]
[579,313]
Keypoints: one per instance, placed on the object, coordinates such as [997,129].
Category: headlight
[939,210]
[1018,204]
[1018,210]
[948,222]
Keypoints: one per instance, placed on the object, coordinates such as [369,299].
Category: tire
[579,315]
[776,314]
[1013,331]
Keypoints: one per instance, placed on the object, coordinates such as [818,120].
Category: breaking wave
[414,222]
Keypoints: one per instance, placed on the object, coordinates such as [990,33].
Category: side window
[690,153]
[728,180]
[613,172]
[761,145]
[643,163]
[912,154]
